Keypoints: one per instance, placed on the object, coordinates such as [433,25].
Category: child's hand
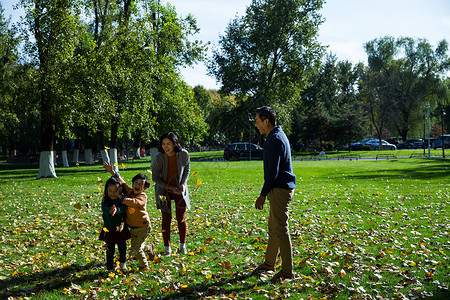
[108,167]
[113,210]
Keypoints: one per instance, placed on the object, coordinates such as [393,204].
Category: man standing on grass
[279,184]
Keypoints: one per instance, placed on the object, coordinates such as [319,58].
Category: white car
[374,144]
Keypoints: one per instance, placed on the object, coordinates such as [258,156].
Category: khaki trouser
[138,237]
[279,237]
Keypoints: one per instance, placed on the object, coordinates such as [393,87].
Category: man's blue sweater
[277,162]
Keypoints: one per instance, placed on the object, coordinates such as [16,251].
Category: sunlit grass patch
[358,228]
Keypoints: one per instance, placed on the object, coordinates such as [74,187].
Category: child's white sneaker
[183,249]
[123,267]
[168,251]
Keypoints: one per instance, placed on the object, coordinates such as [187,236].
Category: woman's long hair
[173,137]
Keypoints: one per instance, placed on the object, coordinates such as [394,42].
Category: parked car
[411,144]
[394,141]
[374,144]
[238,151]
[359,147]
[425,143]
[442,141]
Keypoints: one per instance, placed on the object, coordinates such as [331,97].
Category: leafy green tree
[139,46]
[349,122]
[266,56]
[330,110]
[317,123]
[374,102]
[403,74]
[348,125]
[180,113]
[219,116]
[203,99]
[9,118]
[54,30]
[175,108]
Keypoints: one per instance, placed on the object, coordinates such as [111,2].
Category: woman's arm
[157,168]
[186,168]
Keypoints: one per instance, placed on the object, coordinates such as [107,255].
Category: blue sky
[349,24]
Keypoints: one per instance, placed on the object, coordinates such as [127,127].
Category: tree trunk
[11,147]
[153,152]
[114,160]
[88,157]
[105,156]
[46,165]
[76,155]
[64,159]
[47,134]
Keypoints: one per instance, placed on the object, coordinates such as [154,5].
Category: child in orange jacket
[136,215]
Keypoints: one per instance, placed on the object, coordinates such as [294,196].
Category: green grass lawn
[358,228]
[407,153]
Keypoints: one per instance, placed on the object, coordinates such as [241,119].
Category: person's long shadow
[25,285]
[214,288]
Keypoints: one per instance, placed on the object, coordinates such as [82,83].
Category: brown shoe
[280,276]
[264,267]
[150,250]
[144,269]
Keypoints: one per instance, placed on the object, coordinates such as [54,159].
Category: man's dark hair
[173,137]
[266,112]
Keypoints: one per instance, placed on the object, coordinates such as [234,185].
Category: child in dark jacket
[137,217]
[114,232]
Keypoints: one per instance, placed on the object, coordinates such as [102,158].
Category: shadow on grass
[424,169]
[225,288]
[27,285]
[212,289]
